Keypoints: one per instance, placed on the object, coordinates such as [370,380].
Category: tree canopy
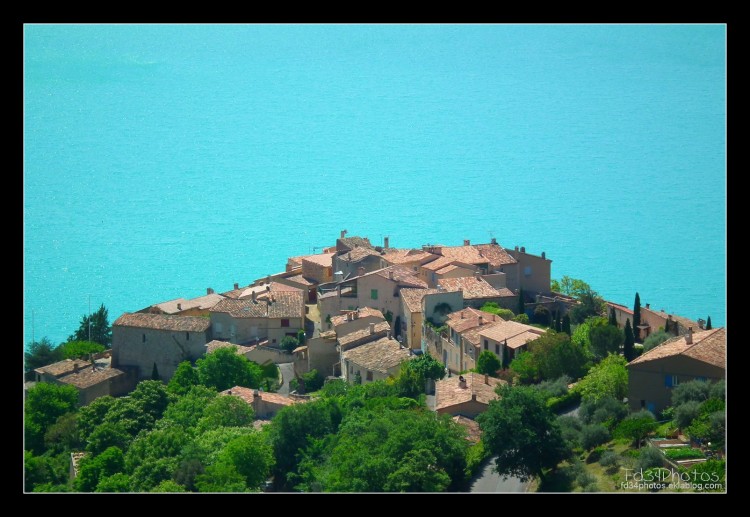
[608,378]
[100,331]
[41,353]
[488,363]
[224,369]
[522,432]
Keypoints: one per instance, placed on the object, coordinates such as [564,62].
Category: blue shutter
[668,381]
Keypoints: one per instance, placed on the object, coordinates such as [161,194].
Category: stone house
[696,355]
[477,291]
[374,360]
[180,306]
[91,379]
[141,340]
[466,395]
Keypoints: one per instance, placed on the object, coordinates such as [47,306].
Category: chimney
[544,255]
[440,288]
[360,271]
[467,242]
[268,287]
[268,279]
[385,242]
[253,295]
[75,366]
[473,397]
[372,328]
[461,382]
[477,274]
[209,290]
[462,314]
[486,379]
[229,392]
[389,334]
[390,274]
[493,241]
[355,314]
[236,286]
[349,255]
[516,248]
[179,306]
[648,305]
[523,249]
[480,320]
[343,233]
[256,393]
[689,336]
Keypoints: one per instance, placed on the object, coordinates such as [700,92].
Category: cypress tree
[566,324]
[629,346]
[506,355]
[612,317]
[708,323]
[521,303]
[155,373]
[637,317]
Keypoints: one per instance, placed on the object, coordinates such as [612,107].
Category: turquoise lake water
[161,160]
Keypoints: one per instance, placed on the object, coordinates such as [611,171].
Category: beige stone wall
[317,272]
[646,381]
[322,355]
[385,300]
[533,272]
[276,333]
[511,272]
[458,272]
[166,348]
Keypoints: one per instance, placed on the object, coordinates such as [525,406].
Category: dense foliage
[94,327]
[224,369]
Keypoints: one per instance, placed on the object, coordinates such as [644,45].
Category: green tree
[637,426]
[488,363]
[251,455]
[168,486]
[417,472]
[94,468]
[555,355]
[494,308]
[609,377]
[414,373]
[289,343]
[94,327]
[301,338]
[612,317]
[45,470]
[207,446]
[589,304]
[521,303]
[80,349]
[696,390]
[542,315]
[91,416]
[637,317]
[41,353]
[628,348]
[566,325]
[708,324]
[655,339]
[184,378]
[63,435]
[224,369]
[155,373]
[45,403]
[119,482]
[312,381]
[521,318]
[570,286]
[109,434]
[226,411]
[522,432]
[293,428]
[605,339]
[222,477]
[525,367]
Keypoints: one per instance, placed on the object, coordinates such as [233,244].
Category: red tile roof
[474,287]
[708,346]
[364,312]
[352,339]
[448,392]
[412,298]
[165,322]
[406,255]
[380,355]
[202,302]
[282,304]
[321,259]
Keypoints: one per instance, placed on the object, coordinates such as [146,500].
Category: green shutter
[374,294]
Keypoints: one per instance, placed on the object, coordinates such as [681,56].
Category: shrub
[609,459]
[648,458]
[684,453]
[655,339]
[718,390]
[684,414]
[595,455]
[593,435]
[708,474]
[560,403]
[521,318]
[554,388]
[570,427]
[289,343]
[691,390]
[607,410]
[542,315]
[313,381]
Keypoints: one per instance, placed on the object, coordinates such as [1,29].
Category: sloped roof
[379,355]
[248,395]
[470,319]
[282,304]
[357,254]
[321,259]
[165,321]
[401,275]
[364,312]
[493,254]
[63,367]
[709,346]
[262,290]
[516,334]
[412,297]
[405,255]
[202,302]
[299,279]
[473,431]
[352,338]
[89,376]
[216,344]
[448,392]
[474,287]
[439,263]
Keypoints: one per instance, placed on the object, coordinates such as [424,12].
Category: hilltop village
[357,312]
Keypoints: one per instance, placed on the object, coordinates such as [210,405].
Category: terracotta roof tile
[321,259]
[709,346]
[474,287]
[473,431]
[283,304]
[448,393]
[438,263]
[216,344]
[364,312]
[165,321]
[357,254]
[470,319]
[354,242]
[413,298]
[516,334]
[352,339]
[379,355]
[299,279]
[88,376]
[247,394]
[63,367]
[262,290]
[405,255]
[401,275]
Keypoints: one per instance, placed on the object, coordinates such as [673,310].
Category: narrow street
[287,373]
[490,481]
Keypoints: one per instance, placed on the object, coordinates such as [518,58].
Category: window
[670,381]
[369,375]
[497,349]
[187,336]
[486,344]
[217,328]
[527,271]
[273,341]
[144,338]
[643,404]
[374,294]
[284,322]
